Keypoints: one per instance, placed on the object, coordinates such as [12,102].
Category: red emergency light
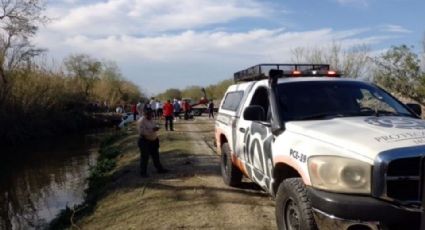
[332,73]
[296,73]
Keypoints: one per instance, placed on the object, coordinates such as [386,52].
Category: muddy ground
[191,196]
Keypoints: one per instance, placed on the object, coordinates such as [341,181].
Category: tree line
[213,91]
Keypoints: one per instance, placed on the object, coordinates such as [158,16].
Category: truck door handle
[242,130]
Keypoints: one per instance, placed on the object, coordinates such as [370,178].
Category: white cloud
[191,44]
[363,3]
[71,1]
[394,29]
[151,16]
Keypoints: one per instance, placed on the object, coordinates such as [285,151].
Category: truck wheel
[293,206]
[231,175]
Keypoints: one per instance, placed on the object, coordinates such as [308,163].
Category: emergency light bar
[263,71]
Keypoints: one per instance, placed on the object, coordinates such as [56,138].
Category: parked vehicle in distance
[198,107]
[126,118]
[334,153]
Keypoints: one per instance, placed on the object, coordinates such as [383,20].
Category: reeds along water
[38,103]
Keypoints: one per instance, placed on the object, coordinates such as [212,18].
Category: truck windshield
[329,99]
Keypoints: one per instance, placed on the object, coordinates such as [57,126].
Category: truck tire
[293,206]
[231,175]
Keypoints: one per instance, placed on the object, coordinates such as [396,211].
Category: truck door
[254,140]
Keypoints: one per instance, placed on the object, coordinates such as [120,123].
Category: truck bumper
[349,212]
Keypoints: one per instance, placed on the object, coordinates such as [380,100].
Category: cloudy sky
[162,44]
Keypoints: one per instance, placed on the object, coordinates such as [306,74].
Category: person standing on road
[134,111]
[140,107]
[153,107]
[147,107]
[211,109]
[186,109]
[176,106]
[148,143]
[159,106]
[167,111]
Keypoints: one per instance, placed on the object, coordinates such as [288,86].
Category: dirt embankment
[191,196]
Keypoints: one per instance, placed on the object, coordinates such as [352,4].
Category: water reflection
[37,182]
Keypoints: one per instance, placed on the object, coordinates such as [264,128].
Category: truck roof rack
[263,71]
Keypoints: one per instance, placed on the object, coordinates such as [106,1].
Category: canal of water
[39,180]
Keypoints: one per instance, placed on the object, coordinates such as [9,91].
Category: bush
[109,152]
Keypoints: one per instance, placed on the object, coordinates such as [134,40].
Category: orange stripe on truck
[295,165]
[218,132]
[239,164]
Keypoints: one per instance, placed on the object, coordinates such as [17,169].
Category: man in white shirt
[140,107]
[158,109]
[148,143]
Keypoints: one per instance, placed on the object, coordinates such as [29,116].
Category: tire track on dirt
[253,211]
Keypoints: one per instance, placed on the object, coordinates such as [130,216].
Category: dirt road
[191,196]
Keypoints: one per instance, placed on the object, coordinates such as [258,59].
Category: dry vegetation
[37,102]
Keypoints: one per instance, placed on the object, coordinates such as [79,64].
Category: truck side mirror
[416,108]
[254,113]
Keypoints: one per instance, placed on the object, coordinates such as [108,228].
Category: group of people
[153,105]
[148,141]
[157,108]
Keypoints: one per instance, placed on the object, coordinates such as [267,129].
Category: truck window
[232,100]
[372,101]
[261,98]
[321,99]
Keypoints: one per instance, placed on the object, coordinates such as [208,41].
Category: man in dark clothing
[167,110]
[148,143]
[211,110]
[147,108]
[186,109]
[176,106]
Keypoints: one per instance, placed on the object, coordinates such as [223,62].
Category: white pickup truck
[335,153]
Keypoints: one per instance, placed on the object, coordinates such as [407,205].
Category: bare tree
[85,68]
[19,21]
[352,62]
[298,54]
